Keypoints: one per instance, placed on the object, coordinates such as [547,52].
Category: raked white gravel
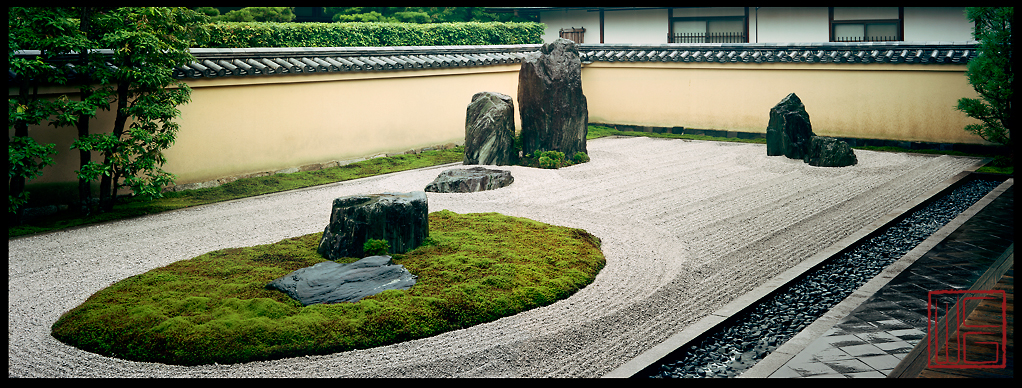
[687,226]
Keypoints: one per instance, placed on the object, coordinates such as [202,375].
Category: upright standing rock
[789,131]
[490,129]
[400,218]
[553,109]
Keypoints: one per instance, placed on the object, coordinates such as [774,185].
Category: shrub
[580,157]
[363,18]
[252,34]
[259,14]
[551,159]
[375,247]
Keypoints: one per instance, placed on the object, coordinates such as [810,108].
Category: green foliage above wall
[248,34]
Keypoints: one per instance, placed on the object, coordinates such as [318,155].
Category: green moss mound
[474,268]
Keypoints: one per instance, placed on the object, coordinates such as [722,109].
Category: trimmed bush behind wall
[254,34]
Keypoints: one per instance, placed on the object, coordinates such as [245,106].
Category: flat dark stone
[332,282]
[469,180]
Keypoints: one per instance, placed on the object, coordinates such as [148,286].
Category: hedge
[256,34]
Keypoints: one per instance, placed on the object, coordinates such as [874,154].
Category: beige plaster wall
[898,102]
[236,126]
[298,120]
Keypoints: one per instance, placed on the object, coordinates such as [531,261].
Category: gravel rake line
[650,288]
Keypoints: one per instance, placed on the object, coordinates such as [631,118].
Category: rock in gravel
[400,218]
[470,180]
[554,113]
[490,130]
[830,152]
[332,282]
[789,131]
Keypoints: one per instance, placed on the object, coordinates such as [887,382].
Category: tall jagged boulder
[490,129]
[554,113]
[789,131]
[830,152]
[400,218]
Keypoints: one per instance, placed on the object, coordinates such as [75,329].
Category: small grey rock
[469,180]
[830,152]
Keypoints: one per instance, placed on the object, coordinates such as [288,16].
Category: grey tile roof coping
[261,61]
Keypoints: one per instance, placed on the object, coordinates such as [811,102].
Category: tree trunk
[108,185]
[17,182]
[85,156]
[84,189]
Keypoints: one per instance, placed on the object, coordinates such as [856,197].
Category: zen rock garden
[554,114]
[555,117]
[790,133]
[399,218]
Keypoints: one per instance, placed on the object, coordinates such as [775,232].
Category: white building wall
[775,24]
[789,24]
[931,24]
[556,20]
[639,26]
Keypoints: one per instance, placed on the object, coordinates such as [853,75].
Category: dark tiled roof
[865,52]
[268,61]
[213,63]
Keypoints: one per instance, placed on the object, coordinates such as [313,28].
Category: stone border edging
[918,359]
[800,341]
[770,363]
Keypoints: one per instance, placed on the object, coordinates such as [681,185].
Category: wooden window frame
[568,33]
[671,19]
[900,25]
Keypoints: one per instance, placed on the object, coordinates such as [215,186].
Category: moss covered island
[474,268]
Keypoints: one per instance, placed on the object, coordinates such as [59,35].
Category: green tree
[990,73]
[45,30]
[259,14]
[147,43]
[208,11]
[92,77]
[421,15]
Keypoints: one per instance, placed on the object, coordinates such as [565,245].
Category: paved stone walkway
[879,333]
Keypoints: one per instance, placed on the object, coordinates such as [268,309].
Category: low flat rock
[830,152]
[469,180]
[332,282]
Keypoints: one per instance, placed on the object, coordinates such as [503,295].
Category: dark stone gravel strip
[728,351]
